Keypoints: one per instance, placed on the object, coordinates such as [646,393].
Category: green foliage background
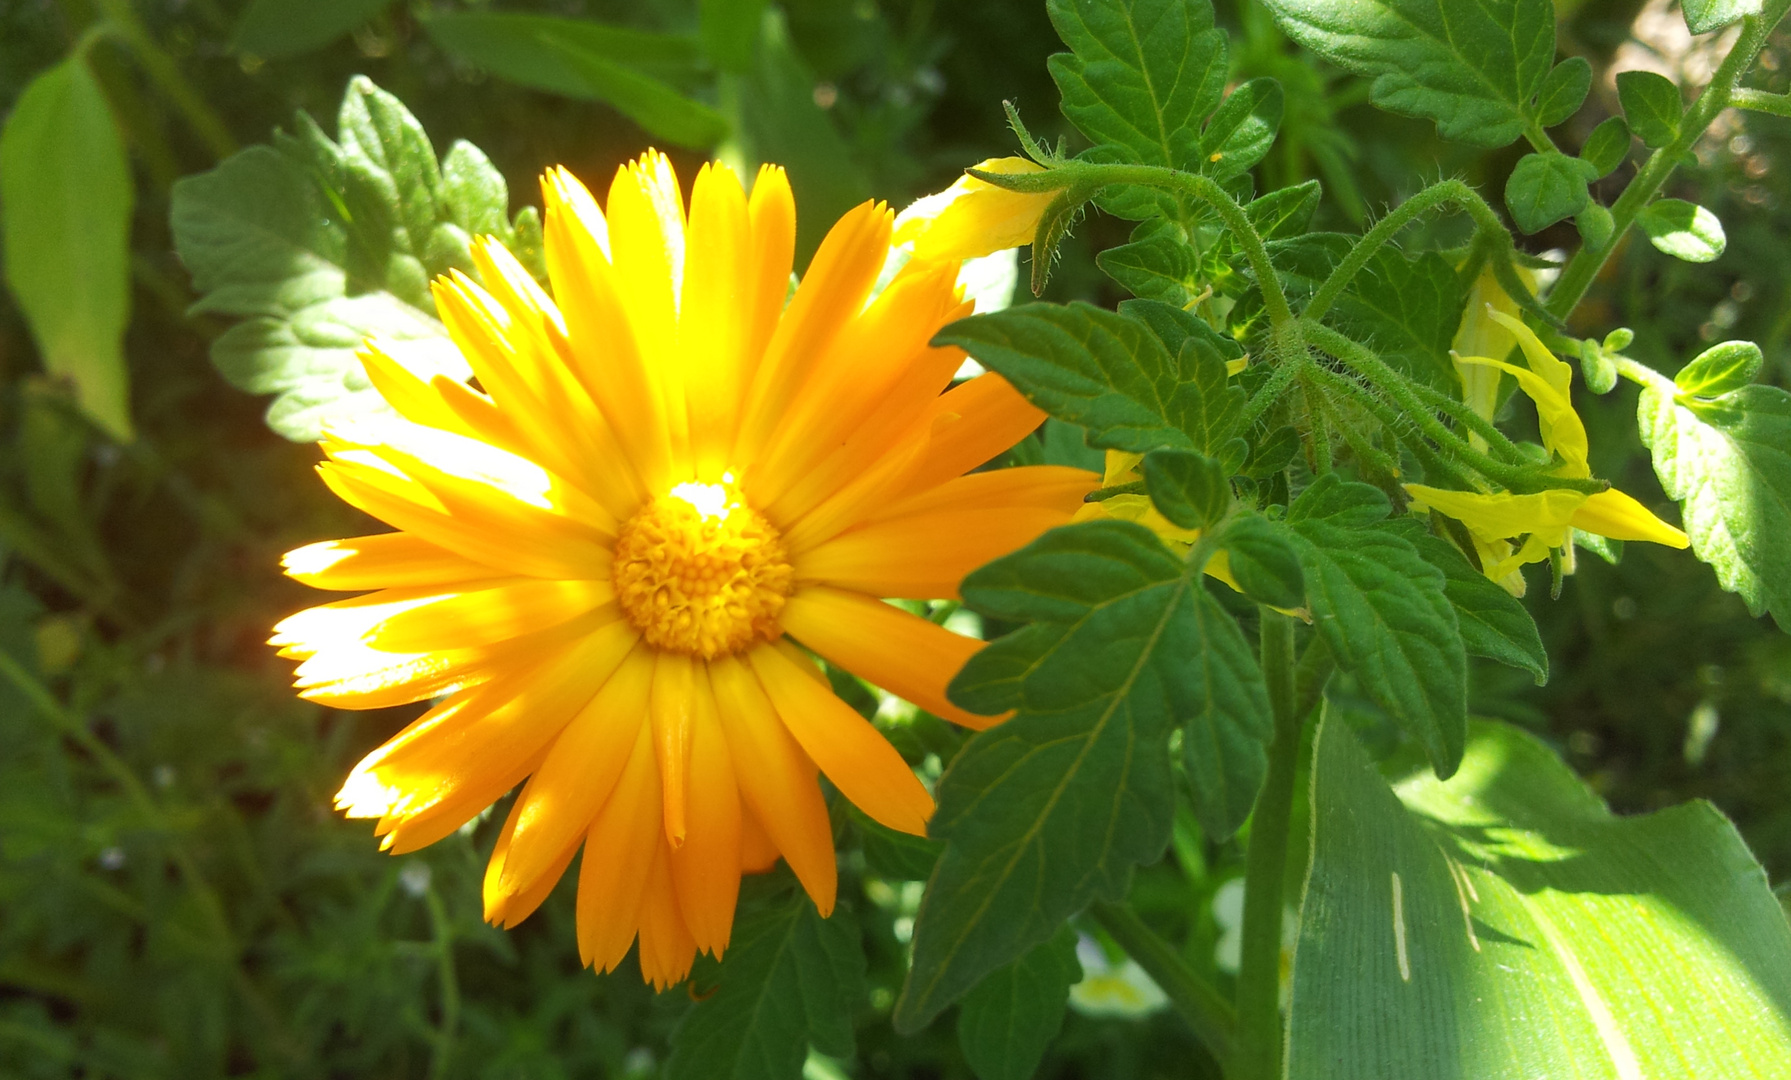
[176,897]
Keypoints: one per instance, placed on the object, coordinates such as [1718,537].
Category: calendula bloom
[973,218]
[608,550]
[1544,519]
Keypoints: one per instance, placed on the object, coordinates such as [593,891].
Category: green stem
[1761,101]
[1318,432]
[1212,1017]
[1207,190]
[1267,394]
[443,1054]
[1396,423]
[1464,414]
[165,74]
[1587,261]
[1258,1054]
[1436,196]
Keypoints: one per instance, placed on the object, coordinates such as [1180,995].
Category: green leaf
[1547,187]
[1303,262]
[1504,925]
[1563,91]
[1384,612]
[66,195]
[1475,69]
[623,68]
[1728,464]
[1264,562]
[1683,230]
[1409,308]
[730,32]
[1607,146]
[1106,372]
[895,855]
[1188,488]
[791,980]
[1651,105]
[1494,624]
[318,245]
[1158,264]
[1720,369]
[1703,16]
[1052,808]
[1243,129]
[1142,74]
[1006,1023]
[1284,212]
[1272,453]
[274,29]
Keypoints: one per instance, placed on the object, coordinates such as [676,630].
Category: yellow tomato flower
[973,218]
[607,552]
[1481,335]
[1543,519]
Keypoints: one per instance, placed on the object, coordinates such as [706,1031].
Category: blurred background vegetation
[177,898]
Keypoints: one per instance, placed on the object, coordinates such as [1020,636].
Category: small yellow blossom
[973,218]
[1545,519]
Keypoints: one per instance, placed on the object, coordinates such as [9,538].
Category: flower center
[698,571]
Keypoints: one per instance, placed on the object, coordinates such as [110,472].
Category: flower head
[973,218]
[607,552]
[1510,530]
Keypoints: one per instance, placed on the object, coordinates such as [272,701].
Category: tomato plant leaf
[1727,462]
[1005,1024]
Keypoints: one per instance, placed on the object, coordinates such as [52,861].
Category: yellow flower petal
[1501,515]
[973,218]
[1562,431]
[1616,515]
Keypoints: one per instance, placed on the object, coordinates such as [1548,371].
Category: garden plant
[1111,538]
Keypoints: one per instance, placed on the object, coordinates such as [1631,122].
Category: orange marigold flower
[607,550]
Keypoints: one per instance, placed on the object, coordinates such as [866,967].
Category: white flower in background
[1108,989]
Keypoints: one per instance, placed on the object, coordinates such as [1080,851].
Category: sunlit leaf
[1683,230]
[1504,925]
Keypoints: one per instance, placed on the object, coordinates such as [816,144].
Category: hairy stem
[1258,1054]
[1720,92]
[1438,196]
[1212,1017]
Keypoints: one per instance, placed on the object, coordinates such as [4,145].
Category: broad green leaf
[1504,925]
[1607,146]
[1494,624]
[1264,562]
[792,979]
[320,244]
[1225,740]
[730,32]
[1475,69]
[1683,230]
[1384,612]
[1101,370]
[66,195]
[273,29]
[1243,129]
[1006,1023]
[1728,464]
[1202,354]
[1703,16]
[1563,91]
[1052,808]
[1720,369]
[620,67]
[1547,187]
[1651,105]
[1142,74]
[1409,308]
[1188,488]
